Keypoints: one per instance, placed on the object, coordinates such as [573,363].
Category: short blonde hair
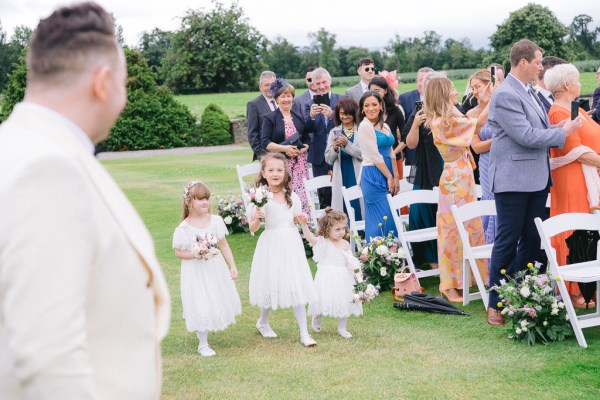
[556,78]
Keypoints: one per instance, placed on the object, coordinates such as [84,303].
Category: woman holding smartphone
[452,135]
[379,175]
[283,131]
[343,153]
[574,189]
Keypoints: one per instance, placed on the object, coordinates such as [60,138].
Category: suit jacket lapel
[538,107]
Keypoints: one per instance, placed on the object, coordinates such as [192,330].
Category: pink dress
[298,170]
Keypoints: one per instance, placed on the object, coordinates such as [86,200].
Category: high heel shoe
[452,297]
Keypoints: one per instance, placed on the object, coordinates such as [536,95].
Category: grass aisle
[393,354]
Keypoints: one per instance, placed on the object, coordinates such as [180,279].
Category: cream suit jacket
[83,301]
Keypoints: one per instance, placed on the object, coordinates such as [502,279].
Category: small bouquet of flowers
[205,246]
[530,301]
[364,292]
[231,209]
[382,257]
[259,195]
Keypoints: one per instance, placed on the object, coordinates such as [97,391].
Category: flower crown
[186,190]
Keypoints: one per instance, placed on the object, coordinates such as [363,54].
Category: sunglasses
[369,69]
[309,80]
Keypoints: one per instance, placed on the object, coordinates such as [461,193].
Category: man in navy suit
[319,121]
[544,94]
[519,170]
[256,109]
[407,101]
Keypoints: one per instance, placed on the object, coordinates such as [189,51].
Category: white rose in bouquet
[228,220]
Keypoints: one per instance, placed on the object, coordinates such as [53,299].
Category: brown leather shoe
[494,317]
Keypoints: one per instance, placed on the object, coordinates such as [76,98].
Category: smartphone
[574,109]
[321,99]
[336,134]
[418,106]
[493,73]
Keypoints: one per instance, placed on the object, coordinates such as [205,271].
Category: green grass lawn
[393,354]
[234,104]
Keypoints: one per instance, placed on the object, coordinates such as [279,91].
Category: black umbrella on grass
[428,302]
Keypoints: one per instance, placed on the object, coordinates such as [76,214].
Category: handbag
[294,140]
[405,283]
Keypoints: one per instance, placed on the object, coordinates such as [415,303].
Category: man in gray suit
[301,101]
[256,108]
[366,71]
[519,166]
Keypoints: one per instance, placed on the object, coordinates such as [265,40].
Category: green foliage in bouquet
[531,303]
[231,209]
[381,259]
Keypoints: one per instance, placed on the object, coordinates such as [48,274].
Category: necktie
[551,98]
[273,105]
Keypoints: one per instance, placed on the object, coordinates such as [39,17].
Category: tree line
[218,50]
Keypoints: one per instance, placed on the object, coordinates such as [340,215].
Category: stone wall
[238,131]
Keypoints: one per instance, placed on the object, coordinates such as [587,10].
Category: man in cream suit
[83,301]
[519,166]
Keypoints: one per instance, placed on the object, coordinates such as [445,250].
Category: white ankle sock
[264,316]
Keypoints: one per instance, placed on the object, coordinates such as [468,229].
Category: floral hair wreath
[186,190]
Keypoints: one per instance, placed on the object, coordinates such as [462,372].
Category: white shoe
[344,333]
[307,341]
[206,351]
[316,323]
[265,330]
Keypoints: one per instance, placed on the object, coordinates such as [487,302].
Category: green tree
[14,90]
[216,50]
[284,59]
[11,50]
[323,43]
[397,50]
[154,47]
[583,40]
[533,22]
[214,127]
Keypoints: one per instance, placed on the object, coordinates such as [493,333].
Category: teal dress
[349,177]
[375,190]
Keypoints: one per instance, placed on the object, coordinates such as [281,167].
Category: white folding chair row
[581,272]
[349,194]
[470,254]
[311,187]
[406,237]
[243,171]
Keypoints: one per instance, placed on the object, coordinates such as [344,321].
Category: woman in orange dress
[452,135]
[570,192]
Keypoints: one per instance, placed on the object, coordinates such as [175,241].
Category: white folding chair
[404,186]
[242,172]
[406,237]
[349,194]
[470,253]
[310,187]
[581,272]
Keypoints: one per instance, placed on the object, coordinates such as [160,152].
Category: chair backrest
[474,209]
[403,199]
[242,172]
[310,187]
[562,223]
[349,194]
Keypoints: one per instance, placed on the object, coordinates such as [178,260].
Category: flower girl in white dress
[334,280]
[280,276]
[210,299]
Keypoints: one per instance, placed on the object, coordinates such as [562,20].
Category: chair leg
[571,313]
[479,281]
[466,282]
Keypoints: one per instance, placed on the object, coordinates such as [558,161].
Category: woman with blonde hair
[452,135]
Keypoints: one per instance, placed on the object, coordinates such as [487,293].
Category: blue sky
[356,23]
